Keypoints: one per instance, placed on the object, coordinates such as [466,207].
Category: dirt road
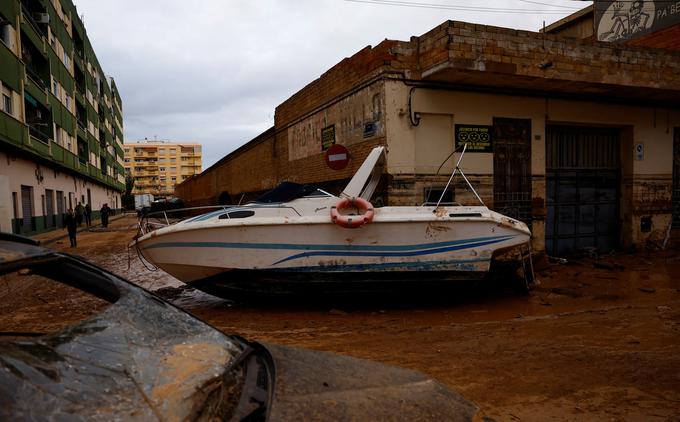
[598,339]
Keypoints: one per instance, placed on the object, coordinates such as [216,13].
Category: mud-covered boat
[298,234]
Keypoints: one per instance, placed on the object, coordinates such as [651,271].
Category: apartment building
[61,122]
[157,166]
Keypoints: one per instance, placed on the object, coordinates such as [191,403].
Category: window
[67,60]
[162,169]
[237,214]
[68,101]
[7,101]
[55,88]
[174,179]
[173,168]
[58,136]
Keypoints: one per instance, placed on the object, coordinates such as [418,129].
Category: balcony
[28,10]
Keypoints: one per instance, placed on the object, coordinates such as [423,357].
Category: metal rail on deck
[146,225]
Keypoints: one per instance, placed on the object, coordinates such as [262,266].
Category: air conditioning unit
[41,17]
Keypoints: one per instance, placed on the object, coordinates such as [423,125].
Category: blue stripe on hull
[317,247]
[390,254]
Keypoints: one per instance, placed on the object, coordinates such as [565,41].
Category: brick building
[157,166]
[581,133]
[61,119]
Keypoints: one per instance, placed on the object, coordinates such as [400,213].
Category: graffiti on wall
[625,19]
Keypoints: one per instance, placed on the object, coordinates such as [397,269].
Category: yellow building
[157,166]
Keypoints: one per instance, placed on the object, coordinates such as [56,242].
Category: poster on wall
[477,137]
[622,20]
[327,137]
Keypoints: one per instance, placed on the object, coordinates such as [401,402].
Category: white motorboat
[296,235]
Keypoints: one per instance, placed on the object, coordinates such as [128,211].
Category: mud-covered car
[134,356]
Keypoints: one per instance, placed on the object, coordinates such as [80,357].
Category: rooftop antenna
[544,35]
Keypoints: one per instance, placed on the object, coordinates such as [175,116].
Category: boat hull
[237,284]
[296,252]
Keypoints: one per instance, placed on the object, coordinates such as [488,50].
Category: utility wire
[454,7]
[551,5]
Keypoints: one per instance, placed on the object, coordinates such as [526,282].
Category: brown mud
[598,339]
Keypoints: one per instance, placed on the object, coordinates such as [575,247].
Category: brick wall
[489,50]
[339,79]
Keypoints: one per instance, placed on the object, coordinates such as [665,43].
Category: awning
[32,101]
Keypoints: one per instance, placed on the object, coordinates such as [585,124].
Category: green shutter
[11,70]
[9,9]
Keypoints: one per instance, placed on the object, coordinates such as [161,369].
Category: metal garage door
[49,208]
[60,208]
[582,189]
[27,208]
[676,177]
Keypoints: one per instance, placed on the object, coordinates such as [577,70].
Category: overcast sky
[212,71]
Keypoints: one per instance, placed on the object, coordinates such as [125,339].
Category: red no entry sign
[337,157]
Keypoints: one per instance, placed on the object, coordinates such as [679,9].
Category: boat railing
[154,220]
[150,221]
[458,170]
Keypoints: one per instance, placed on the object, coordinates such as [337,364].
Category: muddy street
[597,339]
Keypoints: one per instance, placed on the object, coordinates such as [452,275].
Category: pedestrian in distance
[71,226]
[79,213]
[105,214]
[88,214]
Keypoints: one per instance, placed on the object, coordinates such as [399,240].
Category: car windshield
[58,313]
[32,304]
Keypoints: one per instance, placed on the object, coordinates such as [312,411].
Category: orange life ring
[364,208]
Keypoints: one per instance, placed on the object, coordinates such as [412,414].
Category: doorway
[583,170]
[512,167]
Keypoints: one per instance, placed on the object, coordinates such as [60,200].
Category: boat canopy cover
[287,191]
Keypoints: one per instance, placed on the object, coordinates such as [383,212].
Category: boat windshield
[288,191]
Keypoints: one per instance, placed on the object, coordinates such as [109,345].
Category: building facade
[579,138]
[157,166]
[61,124]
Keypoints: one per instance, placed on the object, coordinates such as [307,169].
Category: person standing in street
[72,226]
[79,213]
[105,214]
[88,214]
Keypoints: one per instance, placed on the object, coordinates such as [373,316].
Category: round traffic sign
[337,157]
